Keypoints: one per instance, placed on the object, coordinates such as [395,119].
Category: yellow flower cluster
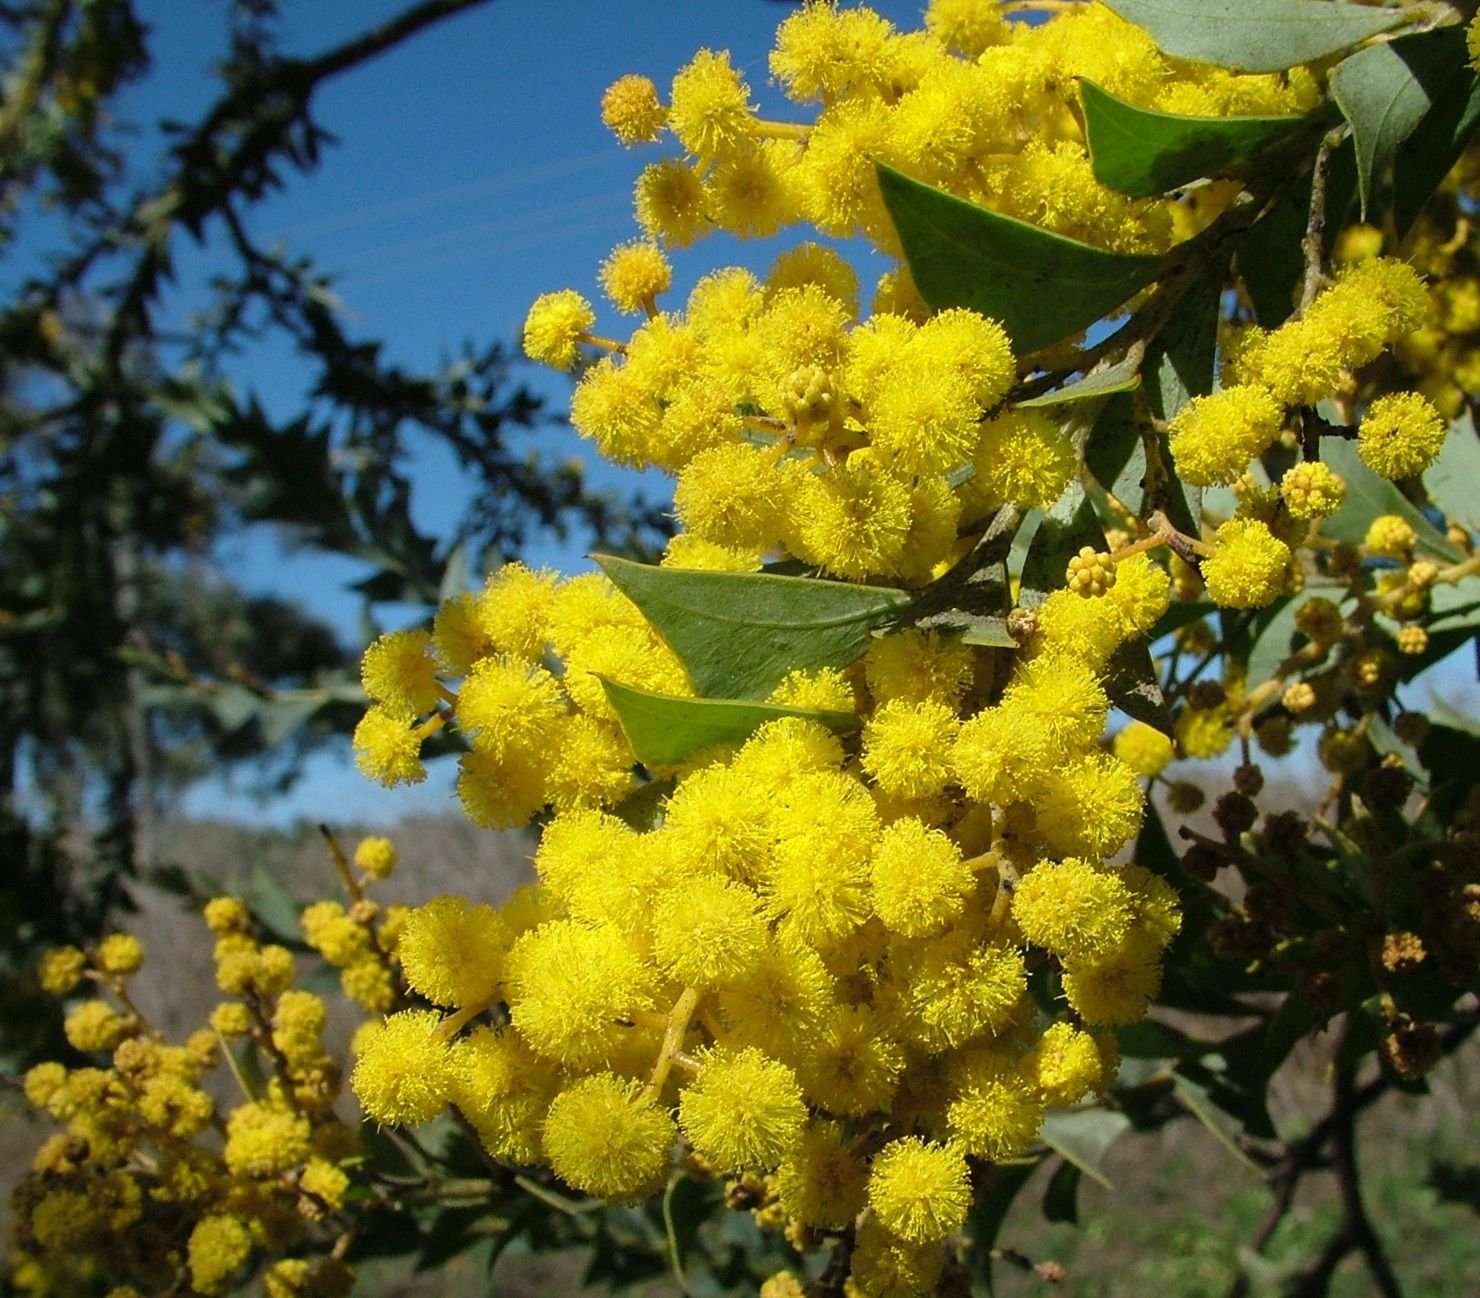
[797,426]
[151,1185]
[807,950]
[533,738]
[974,103]
[806,959]
[792,427]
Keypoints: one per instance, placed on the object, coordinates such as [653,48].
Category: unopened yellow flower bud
[1312,490]
[632,111]
[1091,572]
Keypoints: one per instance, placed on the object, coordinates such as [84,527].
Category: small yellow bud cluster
[1312,490]
[1090,572]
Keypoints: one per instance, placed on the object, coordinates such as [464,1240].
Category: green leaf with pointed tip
[1367,496]
[1437,143]
[1061,1198]
[1122,377]
[1255,35]
[272,905]
[1142,153]
[1081,1136]
[739,633]
[1386,90]
[1042,287]
[663,729]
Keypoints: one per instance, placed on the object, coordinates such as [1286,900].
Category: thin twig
[1314,243]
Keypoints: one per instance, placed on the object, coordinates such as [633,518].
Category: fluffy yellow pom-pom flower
[634,275]
[906,747]
[398,672]
[632,111]
[120,954]
[1250,566]
[743,1111]
[554,327]
[403,1075]
[920,1191]
[1213,438]
[1072,908]
[1400,435]
[388,749]
[453,951]
[218,1245]
[606,1136]
[1144,748]
[710,107]
[920,883]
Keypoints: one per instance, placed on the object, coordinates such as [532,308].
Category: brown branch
[1314,243]
[1337,1128]
[1348,1179]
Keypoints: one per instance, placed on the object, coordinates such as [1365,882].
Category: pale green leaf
[739,633]
[1255,35]
[664,729]
[1386,90]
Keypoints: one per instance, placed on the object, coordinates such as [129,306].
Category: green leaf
[1141,152]
[1368,496]
[1061,1198]
[1430,152]
[1081,1136]
[1068,526]
[1122,377]
[739,633]
[1042,287]
[663,729]
[1386,90]
[1271,260]
[1149,1039]
[991,1208]
[687,1205]
[1271,256]
[1274,636]
[281,716]
[1255,35]
[272,905]
[1452,478]
[1181,361]
[1115,452]
[1201,1104]
[1134,687]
